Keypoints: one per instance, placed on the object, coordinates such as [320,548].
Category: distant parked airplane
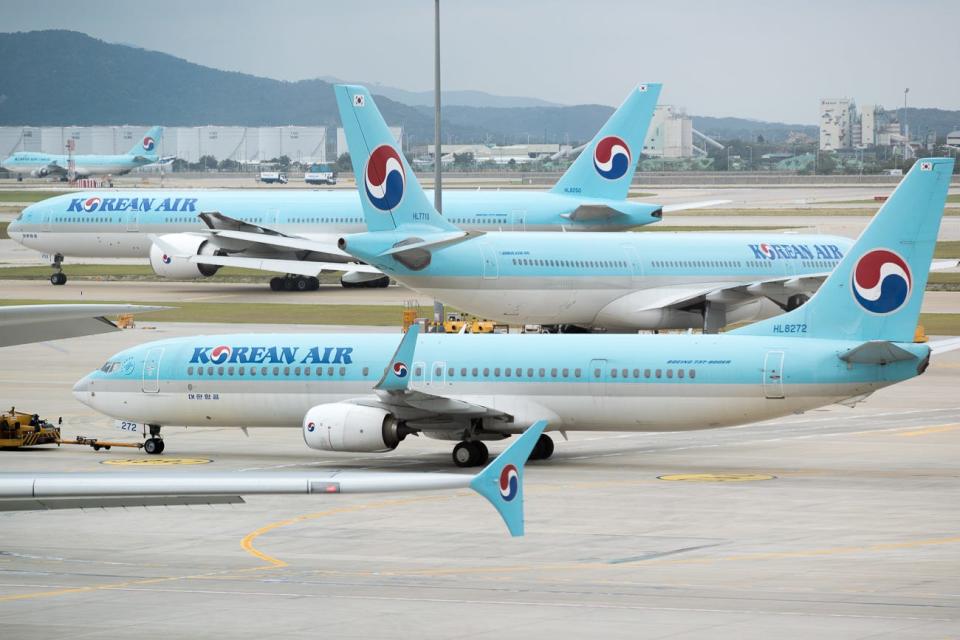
[39,165]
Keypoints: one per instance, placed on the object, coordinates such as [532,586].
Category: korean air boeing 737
[617,281]
[191,234]
[39,165]
[364,393]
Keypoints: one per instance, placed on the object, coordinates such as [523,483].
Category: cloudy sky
[766,59]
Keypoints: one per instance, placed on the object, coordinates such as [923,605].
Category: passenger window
[679,373]
[613,373]
[199,371]
[230,371]
[296,371]
[486,372]
[243,370]
[450,372]
[596,373]
[693,373]
[418,372]
[189,371]
[496,372]
[566,373]
[659,373]
[438,371]
[343,371]
[543,372]
[330,371]
[306,371]
[263,371]
[253,371]
[473,372]
[529,373]
[636,373]
[624,373]
[553,373]
[319,371]
[276,371]
[519,372]
[669,373]
[286,371]
[463,372]
[507,371]
[209,371]
[576,373]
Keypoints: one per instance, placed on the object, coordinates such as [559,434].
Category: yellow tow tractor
[455,322]
[19,429]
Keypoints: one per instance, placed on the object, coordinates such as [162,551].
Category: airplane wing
[702,204]
[251,246]
[944,346]
[23,324]
[777,289]
[31,492]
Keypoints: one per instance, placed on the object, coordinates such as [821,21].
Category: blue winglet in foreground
[501,481]
[397,375]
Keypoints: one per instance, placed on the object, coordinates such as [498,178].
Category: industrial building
[843,127]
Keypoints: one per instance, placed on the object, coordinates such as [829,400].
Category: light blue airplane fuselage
[117,223]
[585,382]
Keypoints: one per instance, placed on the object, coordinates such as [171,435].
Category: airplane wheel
[543,449]
[301,284]
[276,284]
[463,455]
[288,284]
[480,453]
[58,278]
[381,283]
[314,283]
[153,446]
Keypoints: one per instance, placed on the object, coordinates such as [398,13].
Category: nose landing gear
[58,277]
[154,444]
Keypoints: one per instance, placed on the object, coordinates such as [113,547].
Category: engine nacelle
[187,244]
[41,172]
[359,279]
[341,426]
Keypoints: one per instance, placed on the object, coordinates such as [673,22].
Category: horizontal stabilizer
[435,241]
[944,346]
[684,206]
[877,352]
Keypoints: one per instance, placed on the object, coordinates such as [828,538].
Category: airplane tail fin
[149,145]
[501,481]
[605,167]
[390,193]
[876,291]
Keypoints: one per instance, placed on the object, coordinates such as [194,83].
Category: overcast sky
[765,59]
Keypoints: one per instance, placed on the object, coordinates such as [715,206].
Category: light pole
[437,187]
[906,131]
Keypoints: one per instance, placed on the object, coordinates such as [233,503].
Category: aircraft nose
[83,390]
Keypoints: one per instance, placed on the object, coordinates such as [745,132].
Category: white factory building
[844,127]
[342,140]
[242,144]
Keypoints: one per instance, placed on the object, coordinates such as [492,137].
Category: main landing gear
[291,282]
[154,444]
[473,453]
[58,277]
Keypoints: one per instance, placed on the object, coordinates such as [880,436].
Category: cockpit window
[111,366]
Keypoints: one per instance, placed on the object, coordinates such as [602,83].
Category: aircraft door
[518,220]
[133,224]
[773,375]
[438,374]
[46,220]
[636,267]
[151,371]
[419,374]
[491,270]
[597,386]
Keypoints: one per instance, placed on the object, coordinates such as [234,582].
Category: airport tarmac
[839,523]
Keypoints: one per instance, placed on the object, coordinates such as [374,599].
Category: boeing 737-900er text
[616,281]
[853,337]
[39,165]
[191,234]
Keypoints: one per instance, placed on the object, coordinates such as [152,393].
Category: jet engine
[41,172]
[187,244]
[357,279]
[341,426]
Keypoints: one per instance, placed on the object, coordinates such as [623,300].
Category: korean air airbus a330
[39,165]
[191,234]
[617,281]
[364,393]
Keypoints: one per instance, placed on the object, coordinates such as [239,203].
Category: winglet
[397,375]
[501,481]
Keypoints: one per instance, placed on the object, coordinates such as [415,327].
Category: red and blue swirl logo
[149,143]
[400,369]
[91,204]
[384,178]
[509,482]
[611,157]
[881,281]
[219,355]
[166,259]
[311,426]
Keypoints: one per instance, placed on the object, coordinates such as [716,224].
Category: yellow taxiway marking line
[247,542]
[940,428]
